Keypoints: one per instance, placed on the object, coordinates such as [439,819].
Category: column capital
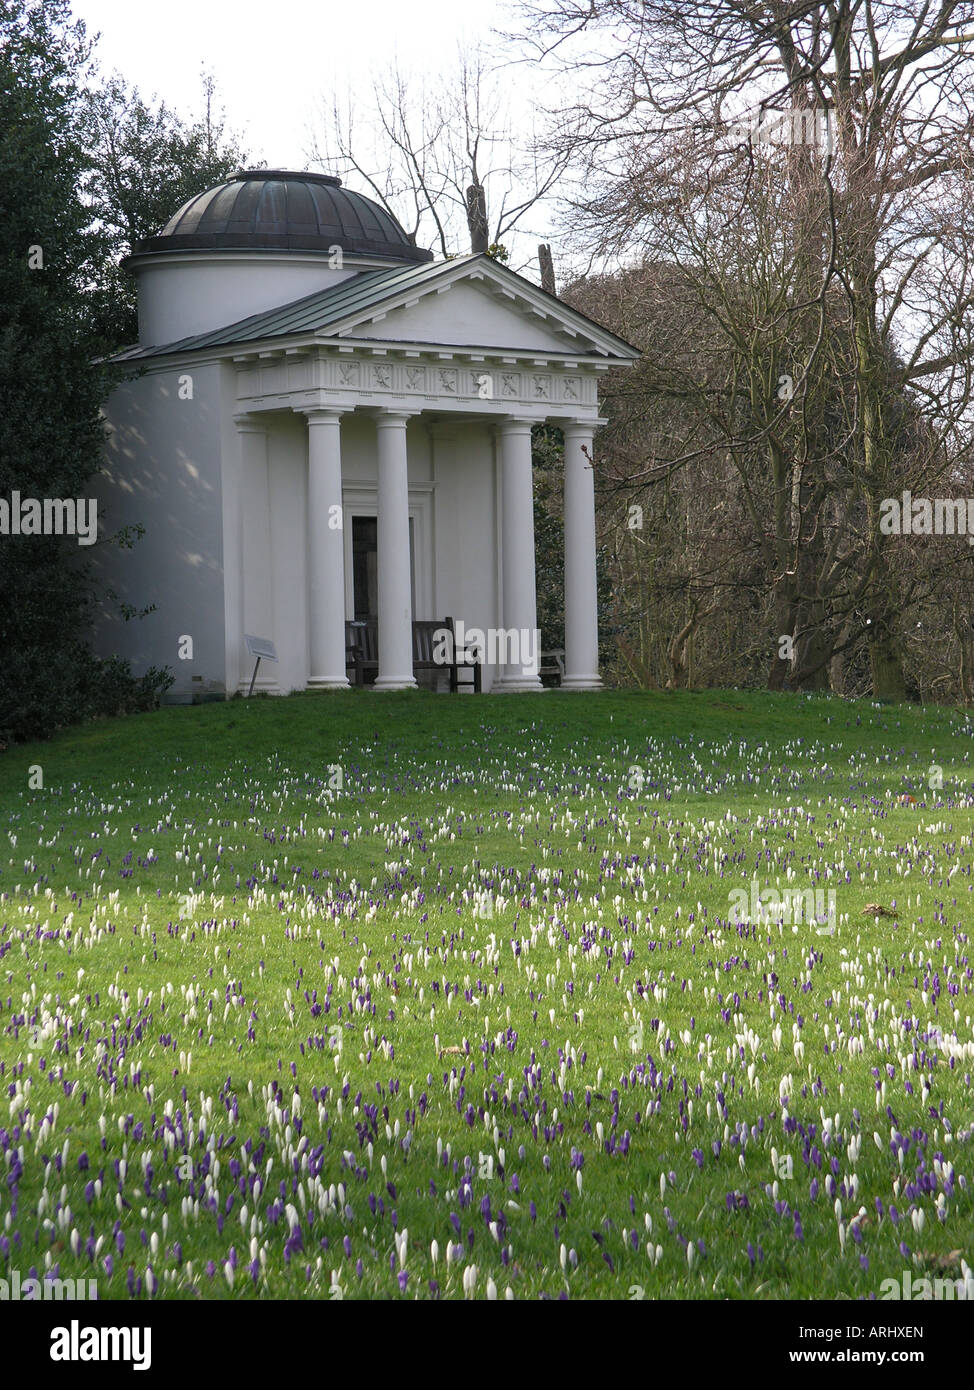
[515,424]
[247,423]
[322,413]
[387,417]
[572,425]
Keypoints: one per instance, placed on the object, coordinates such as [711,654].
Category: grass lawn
[403,996]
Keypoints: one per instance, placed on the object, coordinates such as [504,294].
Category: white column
[520,605]
[326,552]
[256,559]
[581,594]
[394,587]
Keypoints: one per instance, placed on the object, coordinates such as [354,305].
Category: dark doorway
[365,556]
[365,567]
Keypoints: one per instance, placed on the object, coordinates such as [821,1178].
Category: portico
[328,514]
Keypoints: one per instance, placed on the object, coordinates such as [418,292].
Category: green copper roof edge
[330,306]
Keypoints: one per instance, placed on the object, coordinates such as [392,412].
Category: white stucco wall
[187,292]
[162,469]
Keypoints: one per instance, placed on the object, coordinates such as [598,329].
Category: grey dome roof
[274,209]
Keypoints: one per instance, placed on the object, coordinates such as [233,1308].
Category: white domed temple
[329,428]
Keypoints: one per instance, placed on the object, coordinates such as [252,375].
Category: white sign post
[259,647]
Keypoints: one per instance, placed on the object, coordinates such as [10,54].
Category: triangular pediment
[476,302]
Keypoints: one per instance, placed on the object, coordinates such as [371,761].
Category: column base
[391,683]
[323,683]
[581,683]
[518,685]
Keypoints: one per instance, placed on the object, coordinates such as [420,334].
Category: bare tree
[447,157]
[807,168]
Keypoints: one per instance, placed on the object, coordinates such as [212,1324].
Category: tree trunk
[886,666]
[547,268]
[784,610]
[477,218]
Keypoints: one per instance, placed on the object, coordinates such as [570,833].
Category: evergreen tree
[145,163]
[50,391]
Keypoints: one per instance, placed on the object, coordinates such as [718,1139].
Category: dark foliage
[50,391]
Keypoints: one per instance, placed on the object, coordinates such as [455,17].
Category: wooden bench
[362,651]
[553,666]
[361,647]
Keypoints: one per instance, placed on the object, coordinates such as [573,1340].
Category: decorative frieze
[511,385]
[477,383]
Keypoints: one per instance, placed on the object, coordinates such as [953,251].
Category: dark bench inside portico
[362,651]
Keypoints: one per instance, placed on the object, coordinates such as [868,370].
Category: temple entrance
[365,567]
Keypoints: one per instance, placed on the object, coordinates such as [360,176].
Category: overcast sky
[272,61]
